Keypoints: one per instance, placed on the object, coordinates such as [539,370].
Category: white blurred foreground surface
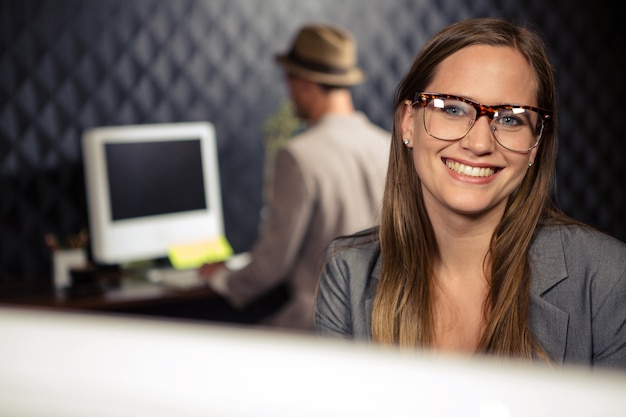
[64,364]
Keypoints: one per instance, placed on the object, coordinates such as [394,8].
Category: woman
[471,254]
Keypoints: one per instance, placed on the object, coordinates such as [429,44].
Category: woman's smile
[468,170]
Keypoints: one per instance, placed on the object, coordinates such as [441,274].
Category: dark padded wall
[67,65]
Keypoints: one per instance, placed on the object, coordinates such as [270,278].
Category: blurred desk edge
[117,291]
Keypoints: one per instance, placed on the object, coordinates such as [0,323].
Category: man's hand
[207,270]
[215,275]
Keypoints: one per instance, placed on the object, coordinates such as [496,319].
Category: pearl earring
[530,164]
[406,141]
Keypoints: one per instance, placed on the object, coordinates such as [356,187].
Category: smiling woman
[504,142]
[472,254]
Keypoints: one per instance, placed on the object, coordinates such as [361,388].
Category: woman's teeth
[468,170]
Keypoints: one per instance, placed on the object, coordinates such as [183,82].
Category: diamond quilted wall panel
[68,65]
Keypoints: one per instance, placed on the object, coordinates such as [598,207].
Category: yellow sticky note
[193,255]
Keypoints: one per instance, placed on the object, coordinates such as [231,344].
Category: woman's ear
[533,155]
[407,123]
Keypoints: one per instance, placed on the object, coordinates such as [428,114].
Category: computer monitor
[149,188]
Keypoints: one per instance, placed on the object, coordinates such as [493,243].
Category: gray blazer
[578,294]
[328,181]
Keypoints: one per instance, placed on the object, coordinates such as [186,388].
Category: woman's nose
[481,137]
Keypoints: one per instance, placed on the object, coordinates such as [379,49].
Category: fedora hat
[323,54]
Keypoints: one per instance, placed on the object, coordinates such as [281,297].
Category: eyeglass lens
[450,119]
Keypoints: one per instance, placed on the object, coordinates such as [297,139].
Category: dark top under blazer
[578,294]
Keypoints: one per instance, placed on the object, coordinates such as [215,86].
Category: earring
[406,141]
[530,164]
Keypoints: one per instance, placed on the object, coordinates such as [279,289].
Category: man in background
[327,181]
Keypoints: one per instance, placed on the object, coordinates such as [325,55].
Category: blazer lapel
[548,322]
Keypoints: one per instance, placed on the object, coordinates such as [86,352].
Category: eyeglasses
[516,128]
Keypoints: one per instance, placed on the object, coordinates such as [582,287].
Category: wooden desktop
[131,293]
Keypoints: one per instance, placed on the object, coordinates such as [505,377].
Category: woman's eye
[453,111]
[520,119]
[508,121]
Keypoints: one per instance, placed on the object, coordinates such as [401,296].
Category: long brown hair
[403,309]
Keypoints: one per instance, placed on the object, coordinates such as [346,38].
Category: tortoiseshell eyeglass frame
[423,98]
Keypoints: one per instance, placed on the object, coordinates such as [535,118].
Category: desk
[127,293]
[132,294]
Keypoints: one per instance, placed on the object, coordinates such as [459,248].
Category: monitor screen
[140,176]
[150,187]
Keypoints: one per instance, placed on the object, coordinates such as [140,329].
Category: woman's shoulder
[365,241]
[356,255]
[579,238]
[579,249]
